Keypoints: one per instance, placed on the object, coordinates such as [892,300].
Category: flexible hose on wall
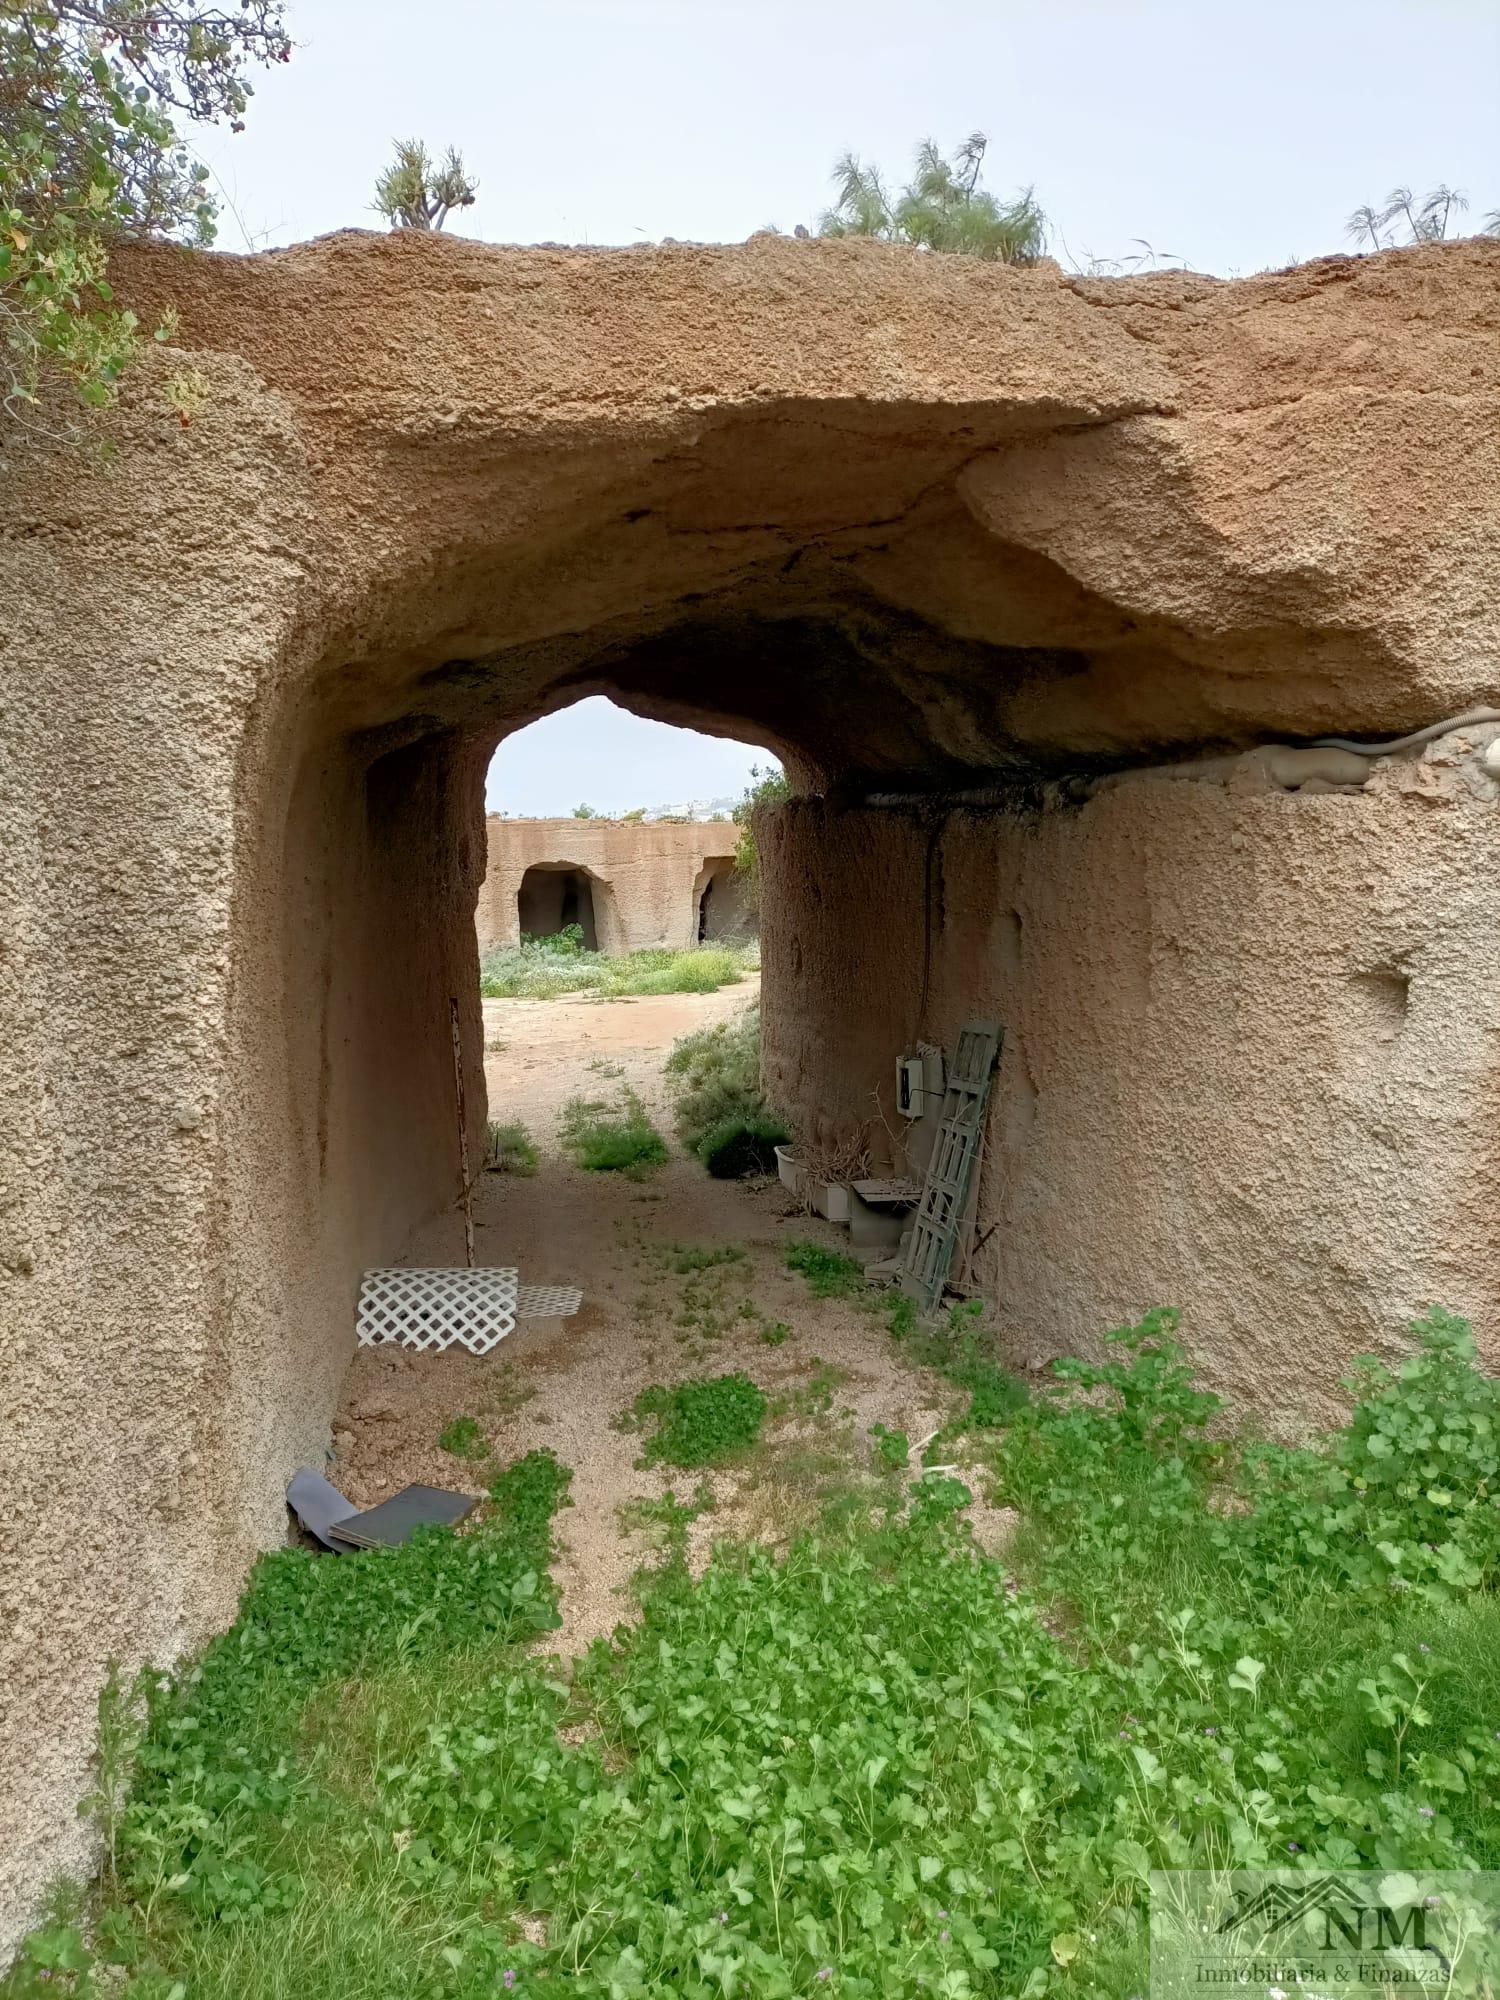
[1427,735]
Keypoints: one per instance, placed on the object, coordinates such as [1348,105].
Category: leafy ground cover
[881,1763]
[463,1438]
[612,1135]
[699,1423]
[545,968]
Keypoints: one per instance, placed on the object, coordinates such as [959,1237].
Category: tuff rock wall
[1249,1064]
[647,876]
[915,525]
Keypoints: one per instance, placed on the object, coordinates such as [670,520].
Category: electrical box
[911,1085]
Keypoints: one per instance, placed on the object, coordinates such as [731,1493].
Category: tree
[1426,221]
[412,193]
[943,207]
[89,151]
[766,788]
[584,812]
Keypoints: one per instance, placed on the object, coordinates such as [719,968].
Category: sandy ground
[564,1383]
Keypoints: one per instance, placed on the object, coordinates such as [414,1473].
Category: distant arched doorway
[552,897]
[724,910]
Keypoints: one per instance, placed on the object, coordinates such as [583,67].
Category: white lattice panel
[547,1301]
[432,1310]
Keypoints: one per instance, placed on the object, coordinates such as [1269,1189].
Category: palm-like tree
[1424,221]
[415,192]
[942,207]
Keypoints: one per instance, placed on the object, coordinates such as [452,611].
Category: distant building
[627,884]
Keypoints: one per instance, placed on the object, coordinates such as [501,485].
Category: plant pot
[789,1170]
[831,1201]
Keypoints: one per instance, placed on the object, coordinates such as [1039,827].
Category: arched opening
[725,910]
[554,899]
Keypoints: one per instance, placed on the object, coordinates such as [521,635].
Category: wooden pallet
[950,1171]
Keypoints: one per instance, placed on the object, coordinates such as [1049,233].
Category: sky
[1231,135]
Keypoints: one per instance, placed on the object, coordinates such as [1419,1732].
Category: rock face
[627,884]
[919,526]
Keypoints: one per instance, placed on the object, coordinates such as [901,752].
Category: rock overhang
[887,513]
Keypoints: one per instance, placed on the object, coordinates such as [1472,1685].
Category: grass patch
[510,1149]
[829,1273]
[548,968]
[699,1423]
[612,1136]
[462,1437]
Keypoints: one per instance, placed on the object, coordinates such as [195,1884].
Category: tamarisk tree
[91,92]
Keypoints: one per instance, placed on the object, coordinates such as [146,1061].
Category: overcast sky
[1229,134]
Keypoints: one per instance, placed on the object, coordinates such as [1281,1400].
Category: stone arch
[552,896]
[939,536]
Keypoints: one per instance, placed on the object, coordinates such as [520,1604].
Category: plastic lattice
[432,1310]
[547,1301]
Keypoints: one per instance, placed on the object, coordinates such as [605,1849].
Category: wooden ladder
[950,1171]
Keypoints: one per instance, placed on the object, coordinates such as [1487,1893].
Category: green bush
[713,1078]
[739,1146]
[700,1423]
[612,1137]
[510,1149]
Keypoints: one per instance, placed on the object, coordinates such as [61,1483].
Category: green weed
[612,1136]
[700,1423]
[829,1274]
[869,1766]
[958,1349]
[892,1448]
[463,1437]
[509,1149]
[813,1398]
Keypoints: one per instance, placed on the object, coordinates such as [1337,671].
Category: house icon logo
[1335,1912]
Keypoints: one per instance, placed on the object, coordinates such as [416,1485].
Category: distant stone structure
[627,884]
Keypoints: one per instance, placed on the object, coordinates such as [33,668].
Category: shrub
[509,1149]
[546,968]
[739,1146]
[700,1423]
[768,786]
[616,1137]
[713,1077]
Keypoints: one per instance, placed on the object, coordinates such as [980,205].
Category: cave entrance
[554,899]
[726,911]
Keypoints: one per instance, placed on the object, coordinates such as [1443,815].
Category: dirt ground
[828,1368]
